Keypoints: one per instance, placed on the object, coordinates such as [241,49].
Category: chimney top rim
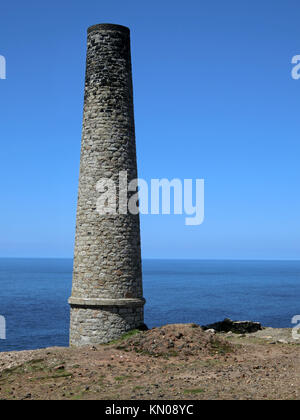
[108,27]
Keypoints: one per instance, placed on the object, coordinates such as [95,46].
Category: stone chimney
[107,296]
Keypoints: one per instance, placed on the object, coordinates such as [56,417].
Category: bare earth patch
[172,362]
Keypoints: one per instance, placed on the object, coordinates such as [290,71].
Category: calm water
[34,293]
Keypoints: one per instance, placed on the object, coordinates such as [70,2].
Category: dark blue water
[34,293]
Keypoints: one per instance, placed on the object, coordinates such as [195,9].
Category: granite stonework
[107,296]
[103,324]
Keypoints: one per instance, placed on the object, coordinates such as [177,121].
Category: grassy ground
[173,362]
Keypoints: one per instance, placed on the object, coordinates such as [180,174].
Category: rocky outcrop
[238,327]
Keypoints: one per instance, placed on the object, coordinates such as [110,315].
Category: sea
[34,294]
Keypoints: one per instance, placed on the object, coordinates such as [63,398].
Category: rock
[211,331]
[60,367]
[238,327]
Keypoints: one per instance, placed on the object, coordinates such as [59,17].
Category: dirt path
[173,362]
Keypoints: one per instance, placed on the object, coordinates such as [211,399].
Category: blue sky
[214,99]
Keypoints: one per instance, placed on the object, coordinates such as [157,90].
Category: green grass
[77,397]
[56,376]
[121,378]
[125,336]
[37,365]
[221,347]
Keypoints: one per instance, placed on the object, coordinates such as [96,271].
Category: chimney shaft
[107,297]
